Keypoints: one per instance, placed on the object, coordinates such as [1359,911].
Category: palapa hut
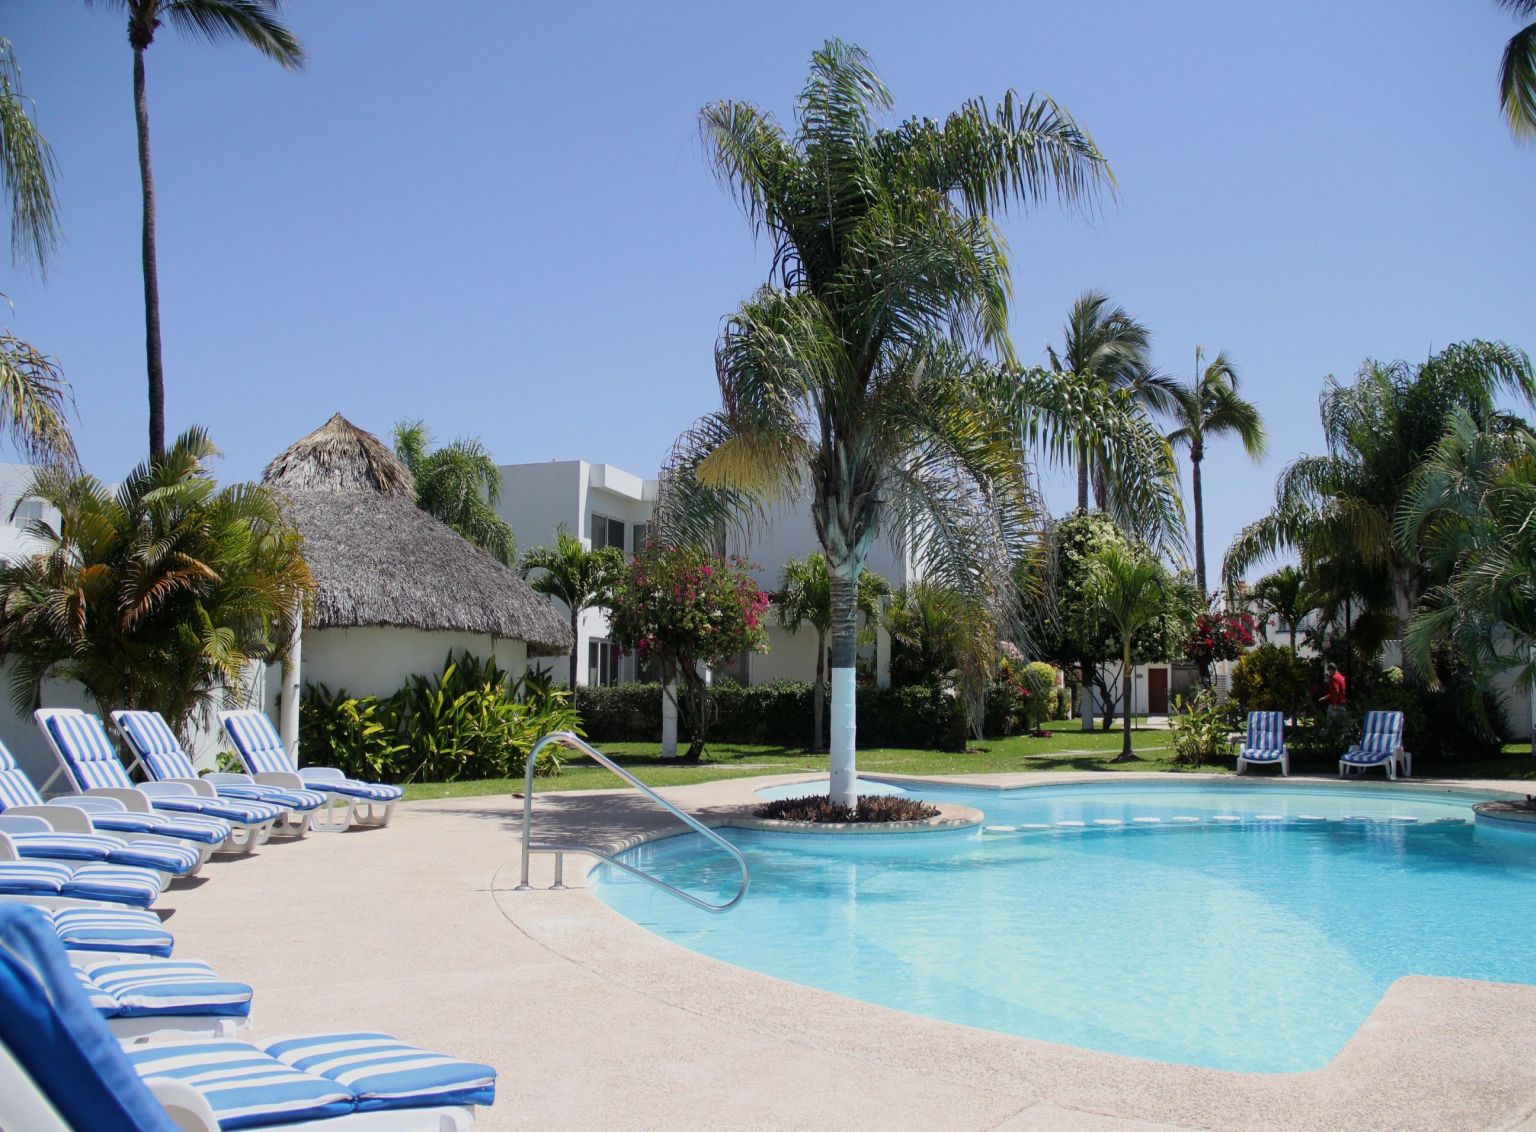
[395,589]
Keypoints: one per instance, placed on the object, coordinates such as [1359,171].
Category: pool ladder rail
[568,739]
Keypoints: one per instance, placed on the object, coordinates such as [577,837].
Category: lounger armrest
[321,774]
[60,819]
[188,1109]
[176,789]
[134,800]
[12,822]
[8,848]
[226,778]
[282,779]
[196,785]
[88,804]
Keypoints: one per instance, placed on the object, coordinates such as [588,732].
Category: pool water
[1257,937]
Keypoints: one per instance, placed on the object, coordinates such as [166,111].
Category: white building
[607,506]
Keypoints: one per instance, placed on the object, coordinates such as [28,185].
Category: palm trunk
[843,579]
[1082,478]
[1126,755]
[1195,456]
[151,271]
[819,694]
[575,648]
[1293,638]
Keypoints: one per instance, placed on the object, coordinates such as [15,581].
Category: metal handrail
[568,739]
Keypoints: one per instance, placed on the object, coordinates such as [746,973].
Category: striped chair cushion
[113,883]
[88,753]
[301,800]
[257,742]
[111,929]
[352,788]
[1262,754]
[16,788]
[188,827]
[243,1085]
[233,810]
[156,744]
[99,999]
[1266,732]
[165,986]
[385,1073]
[34,878]
[162,856]
[1381,734]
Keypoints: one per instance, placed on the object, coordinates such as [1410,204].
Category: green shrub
[1200,729]
[471,720]
[1272,678]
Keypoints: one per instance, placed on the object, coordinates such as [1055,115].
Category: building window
[641,533]
[602,663]
[27,511]
[607,532]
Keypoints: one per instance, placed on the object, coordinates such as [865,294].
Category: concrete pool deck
[595,1023]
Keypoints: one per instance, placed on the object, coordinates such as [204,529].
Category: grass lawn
[1068,749]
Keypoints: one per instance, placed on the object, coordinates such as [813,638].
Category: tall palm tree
[805,598]
[581,578]
[34,397]
[1338,510]
[1468,513]
[159,593]
[1107,350]
[1209,407]
[1129,589]
[1284,593]
[255,22]
[862,376]
[458,483]
[1517,72]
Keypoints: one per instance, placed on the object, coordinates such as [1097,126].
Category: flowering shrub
[1022,696]
[1219,636]
[684,608]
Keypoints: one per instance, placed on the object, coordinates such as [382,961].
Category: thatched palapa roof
[378,559]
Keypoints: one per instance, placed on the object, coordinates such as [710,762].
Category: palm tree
[579,577]
[34,397]
[1129,589]
[1107,350]
[459,484]
[805,598]
[1468,514]
[1284,593]
[862,376]
[1208,407]
[255,22]
[159,593]
[1338,510]
[1517,72]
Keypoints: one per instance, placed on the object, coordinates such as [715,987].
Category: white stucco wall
[375,660]
[14,540]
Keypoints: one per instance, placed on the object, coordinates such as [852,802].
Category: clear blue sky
[497,216]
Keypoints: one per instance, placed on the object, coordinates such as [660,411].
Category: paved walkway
[594,1023]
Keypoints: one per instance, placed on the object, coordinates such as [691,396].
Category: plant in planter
[685,609]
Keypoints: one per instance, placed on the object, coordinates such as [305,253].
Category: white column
[669,719]
[844,786]
[288,723]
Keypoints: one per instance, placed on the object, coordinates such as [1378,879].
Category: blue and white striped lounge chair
[61,1068]
[1264,744]
[158,752]
[98,818]
[134,931]
[145,997]
[62,883]
[89,762]
[349,802]
[1381,744]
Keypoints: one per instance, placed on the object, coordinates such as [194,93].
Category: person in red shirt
[1337,698]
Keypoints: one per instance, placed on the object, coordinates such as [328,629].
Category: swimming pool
[1256,937]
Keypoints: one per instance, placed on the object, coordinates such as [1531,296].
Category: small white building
[607,506]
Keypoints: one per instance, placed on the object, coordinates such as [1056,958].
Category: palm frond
[1517,81]
[255,22]
[27,170]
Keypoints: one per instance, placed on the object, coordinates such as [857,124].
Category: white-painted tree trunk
[288,722]
[669,719]
[844,785]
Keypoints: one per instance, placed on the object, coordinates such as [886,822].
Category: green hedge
[779,713]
